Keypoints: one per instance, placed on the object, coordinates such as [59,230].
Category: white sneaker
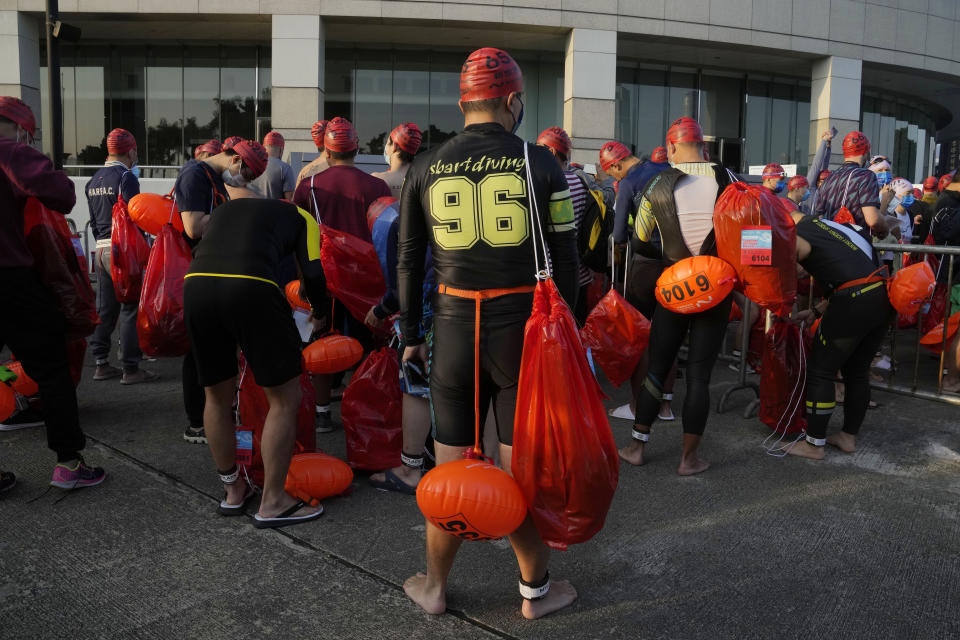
[622,412]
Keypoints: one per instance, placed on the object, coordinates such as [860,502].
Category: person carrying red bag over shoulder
[467,201]
[31,324]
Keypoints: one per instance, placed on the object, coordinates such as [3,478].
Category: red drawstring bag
[617,335]
[937,311]
[252,407]
[771,284]
[160,326]
[564,456]
[129,253]
[353,271]
[55,260]
[372,414]
[783,378]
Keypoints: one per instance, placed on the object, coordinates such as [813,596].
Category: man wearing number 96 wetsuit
[468,201]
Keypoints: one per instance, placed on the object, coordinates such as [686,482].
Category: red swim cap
[930,184]
[407,137]
[253,155]
[773,170]
[489,73]
[917,193]
[231,142]
[376,208]
[120,141]
[947,179]
[797,182]
[317,131]
[659,155]
[823,175]
[684,130]
[855,144]
[611,152]
[273,139]
[212,147]
[18,111]
[340,136]
[557,139]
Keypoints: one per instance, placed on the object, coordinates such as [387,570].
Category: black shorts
[502,321]
[224,313]
[642,283]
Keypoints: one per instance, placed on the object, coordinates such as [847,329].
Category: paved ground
[861,546]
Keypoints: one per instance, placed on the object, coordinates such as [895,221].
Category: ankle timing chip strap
[640,436]
[817,442]
[414,462]
[230,476]
[535,590]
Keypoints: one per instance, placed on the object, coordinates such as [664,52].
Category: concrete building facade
[764,77]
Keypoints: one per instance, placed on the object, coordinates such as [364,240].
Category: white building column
[589,91]
[20,48]
[835,101]
[297,72]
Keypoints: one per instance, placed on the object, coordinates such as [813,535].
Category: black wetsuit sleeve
[412,243]
[308,259]
[389,303]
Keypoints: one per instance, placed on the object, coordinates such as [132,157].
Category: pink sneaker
[78,476]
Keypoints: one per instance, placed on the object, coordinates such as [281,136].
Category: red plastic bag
[617,335]
[129,253]
[783,378]
[937,311]
[372,413]
[55,259]
[353,271]
[160,326]
[772,286]
[564,456]
[252,410]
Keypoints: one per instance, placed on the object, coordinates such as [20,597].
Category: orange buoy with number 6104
[23,384]
[315,476]
[293,296]
[150,211]
[695,284]
[911,287]
[472,500]
[332,354]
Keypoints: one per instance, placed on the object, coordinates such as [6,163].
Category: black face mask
[519,119]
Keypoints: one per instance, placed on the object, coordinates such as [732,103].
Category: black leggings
[851,331]
[666,336]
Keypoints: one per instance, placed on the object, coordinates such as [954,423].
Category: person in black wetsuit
[468,201]
[855,318]
[232,298]
[679,203]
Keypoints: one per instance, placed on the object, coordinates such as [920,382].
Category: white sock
[323,408]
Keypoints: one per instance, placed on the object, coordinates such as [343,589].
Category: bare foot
[429,599]
[406,475]
[692,465]
[272,510]
[632,453]
[843,441]
[236,493]
[666,411]
[804,449]
[561,594]
[951,384]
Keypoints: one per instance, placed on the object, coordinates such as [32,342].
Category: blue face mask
[516,123]
[806,196]
[780,186]
[135,170]
[908,199]
[884,178]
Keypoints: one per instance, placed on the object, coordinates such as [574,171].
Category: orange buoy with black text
[292,290]
[911,287]
[472,500]
[332,354]
[315,476]
[695,284]
[150,211]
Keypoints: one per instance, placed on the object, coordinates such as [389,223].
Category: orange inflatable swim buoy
[332,354]
[695,284]
[472,500]
[292,290]
[8,401]
[911,287]
[150,211]
[315,476]
[933,340]
[23,384]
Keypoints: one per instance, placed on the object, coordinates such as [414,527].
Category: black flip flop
[7,481]
[393,483]
[235,509]
[287,517]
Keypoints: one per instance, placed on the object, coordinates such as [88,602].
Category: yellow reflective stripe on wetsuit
[561,212]
[231,275]
[313,235]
